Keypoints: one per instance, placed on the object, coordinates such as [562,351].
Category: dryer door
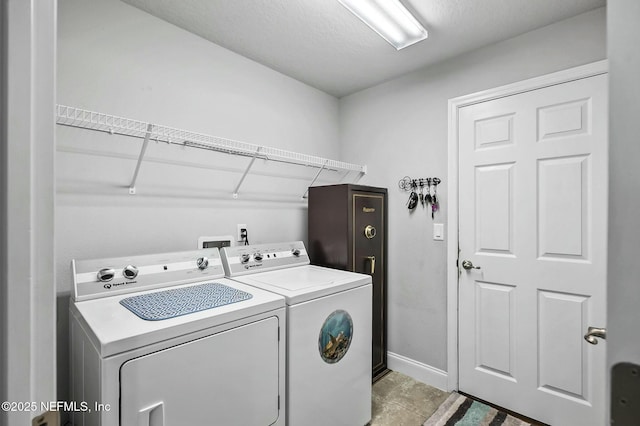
[229,378]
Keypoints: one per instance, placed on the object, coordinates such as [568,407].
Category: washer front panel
[230,378]
[97,379]
[322,393]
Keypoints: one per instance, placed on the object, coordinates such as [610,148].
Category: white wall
[623,296]
[116,59]
[400,128]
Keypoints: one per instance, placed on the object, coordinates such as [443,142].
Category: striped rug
[459,410]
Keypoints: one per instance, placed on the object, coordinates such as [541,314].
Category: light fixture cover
[390,19]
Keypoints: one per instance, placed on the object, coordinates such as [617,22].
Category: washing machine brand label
[335,336]
[111,285]
[255,265]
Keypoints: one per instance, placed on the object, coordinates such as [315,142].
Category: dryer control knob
[202,262]
[295,252]
[245,257]
[130,272]
[257,256]
[106,274]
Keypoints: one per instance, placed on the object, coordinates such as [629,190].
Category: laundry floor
[399,400]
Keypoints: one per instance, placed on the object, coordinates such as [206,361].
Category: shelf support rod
[360,174]
[143,150]
[244,175]
[306,193]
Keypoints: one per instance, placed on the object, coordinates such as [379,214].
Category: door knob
[593,333]
[467,264]
[372,260]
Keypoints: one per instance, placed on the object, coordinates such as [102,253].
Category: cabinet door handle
[372,260]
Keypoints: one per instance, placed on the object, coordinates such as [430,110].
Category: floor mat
[458,410]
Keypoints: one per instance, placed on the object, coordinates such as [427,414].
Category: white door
[533,217]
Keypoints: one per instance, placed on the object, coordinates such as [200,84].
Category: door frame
[455,104]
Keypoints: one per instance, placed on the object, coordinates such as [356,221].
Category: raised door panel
[494,132]
[562,353]
[494,187]
[495,337]
[563,207]
[564,119]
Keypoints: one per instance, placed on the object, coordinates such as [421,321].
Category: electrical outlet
[241,227]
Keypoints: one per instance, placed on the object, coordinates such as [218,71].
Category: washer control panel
[107,277]
[242,260]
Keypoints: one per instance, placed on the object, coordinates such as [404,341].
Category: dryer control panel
[242,260]
[97,278]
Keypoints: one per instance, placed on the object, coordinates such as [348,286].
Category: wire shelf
[112,124]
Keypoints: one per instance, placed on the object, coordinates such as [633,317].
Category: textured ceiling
[322,44]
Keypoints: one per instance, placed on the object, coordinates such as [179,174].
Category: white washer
[328,331]
[219,365]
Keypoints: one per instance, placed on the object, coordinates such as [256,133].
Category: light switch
[438,231]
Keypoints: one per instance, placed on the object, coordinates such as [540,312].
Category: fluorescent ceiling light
[390,19]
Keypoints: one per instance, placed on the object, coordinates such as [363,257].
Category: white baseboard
[422,372]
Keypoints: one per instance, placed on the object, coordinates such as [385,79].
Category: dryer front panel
[229,378]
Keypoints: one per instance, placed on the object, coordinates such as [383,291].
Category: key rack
[418,187]
[91,120]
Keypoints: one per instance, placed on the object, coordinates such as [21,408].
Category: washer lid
[300,278]
[307,282]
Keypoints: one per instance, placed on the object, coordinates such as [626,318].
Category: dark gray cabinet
[348,230]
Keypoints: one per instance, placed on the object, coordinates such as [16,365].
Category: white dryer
[165,340]
[328,331]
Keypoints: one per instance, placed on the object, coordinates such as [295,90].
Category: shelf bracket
[244,175]
[360,175]
[306,193]
[143,150]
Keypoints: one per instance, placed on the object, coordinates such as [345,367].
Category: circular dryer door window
[335,336]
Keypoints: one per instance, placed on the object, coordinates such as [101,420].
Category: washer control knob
[244,258]
[295,252]
[202,262]
[130,272]
[106,274]
[257,256]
